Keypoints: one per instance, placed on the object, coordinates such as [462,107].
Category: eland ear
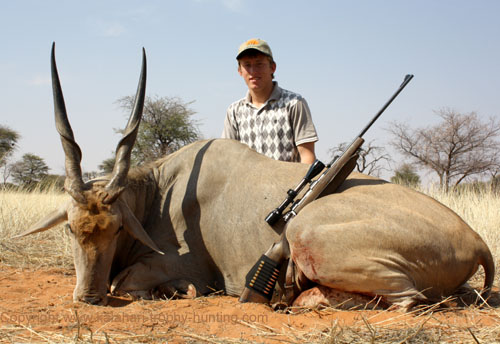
[135,229]
[51,220]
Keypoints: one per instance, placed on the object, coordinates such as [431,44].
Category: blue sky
[345,57]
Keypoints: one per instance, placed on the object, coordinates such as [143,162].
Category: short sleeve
[303,126]
[230,130]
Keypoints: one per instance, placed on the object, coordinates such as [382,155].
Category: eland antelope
[193,222]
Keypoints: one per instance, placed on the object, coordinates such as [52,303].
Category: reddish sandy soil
[37,306]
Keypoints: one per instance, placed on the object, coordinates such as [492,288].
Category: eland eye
[119,230]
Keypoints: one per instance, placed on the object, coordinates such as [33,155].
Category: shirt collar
[275,94]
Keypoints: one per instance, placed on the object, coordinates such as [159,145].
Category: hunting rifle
[261,279]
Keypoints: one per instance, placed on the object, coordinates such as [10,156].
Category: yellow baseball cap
[256,44]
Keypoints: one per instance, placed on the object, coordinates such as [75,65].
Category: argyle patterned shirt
[276,128]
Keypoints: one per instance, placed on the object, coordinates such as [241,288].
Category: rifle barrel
[407,79]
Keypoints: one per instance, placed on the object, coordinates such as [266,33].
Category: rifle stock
[325,178]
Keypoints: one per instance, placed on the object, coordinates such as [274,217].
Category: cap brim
[251,48]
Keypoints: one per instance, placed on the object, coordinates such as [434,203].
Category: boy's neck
[260,97]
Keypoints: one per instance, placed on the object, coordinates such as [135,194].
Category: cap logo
[252,42]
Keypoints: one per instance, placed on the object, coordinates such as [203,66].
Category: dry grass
[426,327]
[18,211]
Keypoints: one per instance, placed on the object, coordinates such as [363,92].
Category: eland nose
[94,300]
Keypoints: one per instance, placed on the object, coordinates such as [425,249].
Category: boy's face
[257,71]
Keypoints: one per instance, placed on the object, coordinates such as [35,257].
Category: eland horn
[124,149]
[73,184]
